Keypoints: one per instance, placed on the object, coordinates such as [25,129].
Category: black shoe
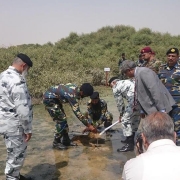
[66,140]
[24,178]
[59,146]
[70,143]
[125,141]
[126,148]
[129,139]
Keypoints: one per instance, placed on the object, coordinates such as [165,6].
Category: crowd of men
[157,96]
[147,96]
[16,113]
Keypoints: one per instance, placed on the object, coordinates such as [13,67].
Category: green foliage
[82,58]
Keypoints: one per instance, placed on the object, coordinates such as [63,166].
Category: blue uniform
[170,77]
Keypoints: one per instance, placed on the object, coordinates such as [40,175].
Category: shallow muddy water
[87,161]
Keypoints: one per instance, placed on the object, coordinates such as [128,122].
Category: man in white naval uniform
[15,114]
[129,116]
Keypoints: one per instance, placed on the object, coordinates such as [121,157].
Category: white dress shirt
[161,161]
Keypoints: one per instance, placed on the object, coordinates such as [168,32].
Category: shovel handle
[108,127]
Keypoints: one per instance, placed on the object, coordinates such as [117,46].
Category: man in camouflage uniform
[53,100]
[15,115]
[149,59]
[97,111]
[170,76]
[123,58]
[140,61]
[129,117]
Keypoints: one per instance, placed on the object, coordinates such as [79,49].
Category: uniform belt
[7,110]
[12,110]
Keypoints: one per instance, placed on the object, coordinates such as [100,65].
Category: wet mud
[94,158]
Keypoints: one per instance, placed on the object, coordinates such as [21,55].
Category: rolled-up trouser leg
[126,127]
[16,152]
[130,125]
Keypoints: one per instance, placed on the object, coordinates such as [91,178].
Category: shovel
[108,128]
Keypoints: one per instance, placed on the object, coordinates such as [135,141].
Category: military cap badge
[173,50]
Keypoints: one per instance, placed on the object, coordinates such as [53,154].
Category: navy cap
[173,50]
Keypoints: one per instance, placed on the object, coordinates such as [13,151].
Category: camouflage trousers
[56,111]
[16,152]
[130,125]
[175,115]
[106,120]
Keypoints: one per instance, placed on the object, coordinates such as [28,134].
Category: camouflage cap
[127,64]
[173,50]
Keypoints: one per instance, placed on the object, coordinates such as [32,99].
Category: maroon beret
[146,49]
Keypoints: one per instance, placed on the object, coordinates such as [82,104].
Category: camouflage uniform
[121,76]
[53,99]
[153,64]
[98,114]
[140,64]
[129,119]
[15,119]
[170,77]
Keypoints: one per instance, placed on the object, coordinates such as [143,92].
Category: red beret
[146,49]
[153,53]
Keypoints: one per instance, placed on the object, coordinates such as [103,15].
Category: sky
[43,21]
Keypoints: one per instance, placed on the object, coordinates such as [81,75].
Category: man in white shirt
[160,161]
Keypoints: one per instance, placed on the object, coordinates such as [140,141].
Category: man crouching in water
[97,111]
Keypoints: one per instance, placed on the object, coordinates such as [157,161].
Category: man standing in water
[53,100]
[15,115]
[129,117]
[150,94]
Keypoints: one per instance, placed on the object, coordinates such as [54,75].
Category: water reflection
[87,161]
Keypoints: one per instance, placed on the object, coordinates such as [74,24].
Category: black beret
[112,79]
[95,95]
[87,89]
[173,50]
[25,59]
